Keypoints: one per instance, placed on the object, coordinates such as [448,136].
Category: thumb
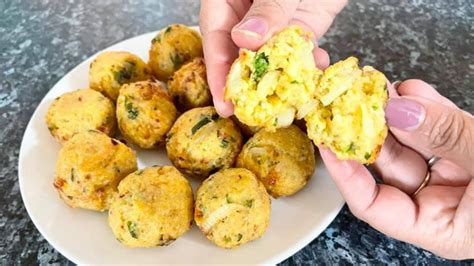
[264,18]
[433,128]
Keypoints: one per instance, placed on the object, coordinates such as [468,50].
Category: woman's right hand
[229,25]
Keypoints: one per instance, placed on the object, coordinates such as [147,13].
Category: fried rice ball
[154,207]
[232,208]
[283,160]
[350,119]
[79,111]
[110,70]
[89,168]
[145,113]
[273,85]
[188,86]
[171,48]
[201,142]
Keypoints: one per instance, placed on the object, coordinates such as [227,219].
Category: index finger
[216,21]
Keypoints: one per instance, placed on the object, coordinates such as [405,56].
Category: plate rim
[290,251]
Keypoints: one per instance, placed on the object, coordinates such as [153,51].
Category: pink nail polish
[404,114]
[254,26]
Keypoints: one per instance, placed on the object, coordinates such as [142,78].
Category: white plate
[84,236]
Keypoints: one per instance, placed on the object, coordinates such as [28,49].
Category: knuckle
[263,6]
[446,131]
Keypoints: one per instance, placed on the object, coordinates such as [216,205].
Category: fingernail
[404,114]
[224,109]
[396,84]
[254,26]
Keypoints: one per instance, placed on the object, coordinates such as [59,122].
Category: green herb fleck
[248,203]
[375,107]
[204,121]
[168,30]
[261,66]
[239,237]
[295,82]
[351,147]
[227,239]
[168,137]
[73,174]
[224,143]
[275,122]
[228,199]
[132,228]
[156,39]
[177,60]
[52,128]
[131,110]
[139,172]
[125,73]
[367,155]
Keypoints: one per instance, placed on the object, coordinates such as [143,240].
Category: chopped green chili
[261,66]
[204,121]
[367,155]
[131,110]
[132,228]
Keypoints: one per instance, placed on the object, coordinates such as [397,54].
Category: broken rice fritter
[350,119]
[273,85]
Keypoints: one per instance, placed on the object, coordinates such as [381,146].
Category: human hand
[229,25]
[439,218]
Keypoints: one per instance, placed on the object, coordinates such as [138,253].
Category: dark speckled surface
[41,40]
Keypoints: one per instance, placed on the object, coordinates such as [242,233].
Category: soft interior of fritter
[350,118]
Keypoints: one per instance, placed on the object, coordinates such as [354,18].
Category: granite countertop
[40,41]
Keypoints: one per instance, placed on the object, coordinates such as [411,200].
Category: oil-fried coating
[110,70]
[89,168]
[201,142]
[283,160]
[171,48]
[232,208]
[188,86]
[154,207]
[350,119]
[145,113]
[79,111]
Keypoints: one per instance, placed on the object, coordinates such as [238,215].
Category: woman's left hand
[439,218]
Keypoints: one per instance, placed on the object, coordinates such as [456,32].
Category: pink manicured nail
[404,114]
[254,26]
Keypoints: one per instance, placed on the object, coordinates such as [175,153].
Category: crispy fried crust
[80,111]
[283,160]
[201,142]
[89,168]
[188,86]
[171,48]
[145,113]
[232,208]
[110,70]
[153,207]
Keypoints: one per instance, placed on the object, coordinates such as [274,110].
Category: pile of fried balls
[166,102]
